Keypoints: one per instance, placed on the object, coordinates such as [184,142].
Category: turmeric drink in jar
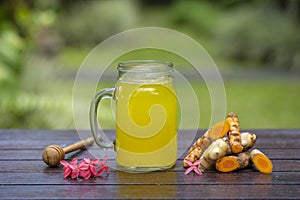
[146,116]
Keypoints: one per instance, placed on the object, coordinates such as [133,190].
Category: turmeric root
[261,161]
[218,130]
[231,163]
[215,151]
[234,133]
[248,140]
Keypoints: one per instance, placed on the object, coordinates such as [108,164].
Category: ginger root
[234,133]
[231,163]
[215,151]
[218,130]
[261,161]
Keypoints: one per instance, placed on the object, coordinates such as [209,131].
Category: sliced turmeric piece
[234,134]
[231,163]
[218,130]
[261,161]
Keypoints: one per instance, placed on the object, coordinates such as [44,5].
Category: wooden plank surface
[23,175]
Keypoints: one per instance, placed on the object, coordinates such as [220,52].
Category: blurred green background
[255,44]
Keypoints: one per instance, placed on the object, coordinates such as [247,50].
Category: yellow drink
[146,132]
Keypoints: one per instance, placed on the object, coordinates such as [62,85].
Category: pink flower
[92,165]
[68,167]
[82,170]
[103,167]
[193,167]
[85,169]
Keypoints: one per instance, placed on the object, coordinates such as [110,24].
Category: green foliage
[11,57]
[196,17]
[35,92]
[23,103]
[265,37]
[35,111]
[265,103]
[256,32]
[90,22]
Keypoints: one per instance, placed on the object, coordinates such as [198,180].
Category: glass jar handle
[99,136]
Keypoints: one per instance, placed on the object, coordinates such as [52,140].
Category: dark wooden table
[23,175]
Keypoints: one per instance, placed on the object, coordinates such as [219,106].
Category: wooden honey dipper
[53,154]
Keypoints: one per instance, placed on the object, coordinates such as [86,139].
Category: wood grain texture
[23,174]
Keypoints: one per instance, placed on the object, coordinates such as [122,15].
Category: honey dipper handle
[79,145]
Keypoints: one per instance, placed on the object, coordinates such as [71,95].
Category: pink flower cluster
[85,169]
[192,167]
